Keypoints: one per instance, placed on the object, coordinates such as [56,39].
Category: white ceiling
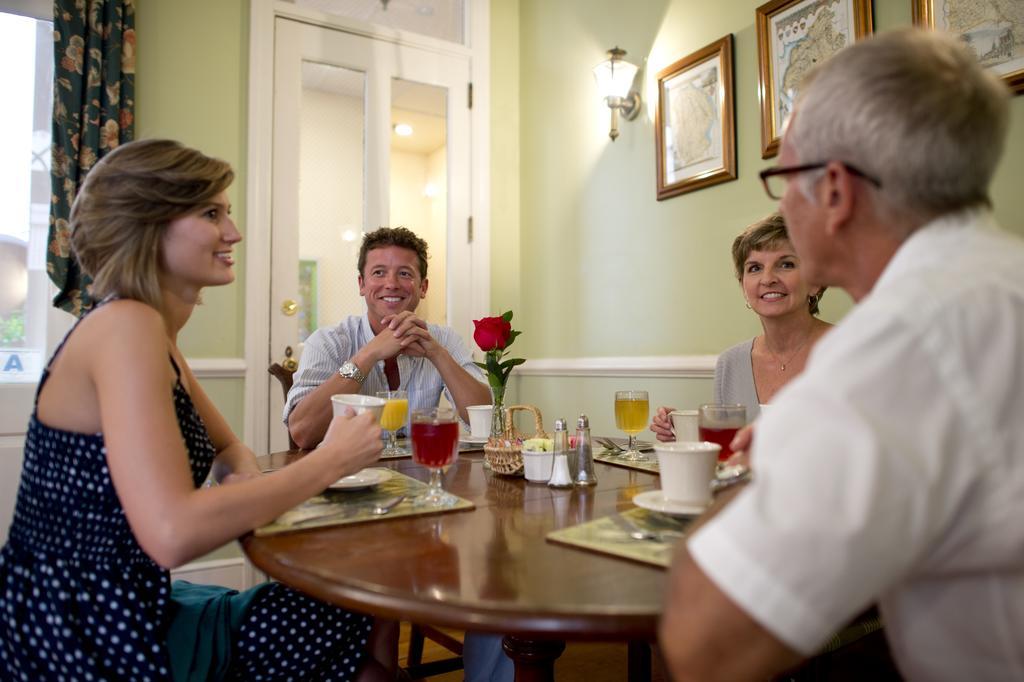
[437,18]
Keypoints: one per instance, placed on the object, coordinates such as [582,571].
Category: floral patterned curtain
[93,112]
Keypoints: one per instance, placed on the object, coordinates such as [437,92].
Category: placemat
[604,536]
[341,507]
[610,457]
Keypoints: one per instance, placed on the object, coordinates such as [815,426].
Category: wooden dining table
[487,569]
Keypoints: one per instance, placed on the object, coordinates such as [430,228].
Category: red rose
[491,333]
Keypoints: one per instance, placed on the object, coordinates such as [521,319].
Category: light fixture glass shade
[614,77]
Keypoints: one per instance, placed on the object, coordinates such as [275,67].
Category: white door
[342,167]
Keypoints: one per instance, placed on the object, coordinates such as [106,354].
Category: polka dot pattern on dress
[80,600]
[289,636]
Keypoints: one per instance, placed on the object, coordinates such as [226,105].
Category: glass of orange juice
[631,411]
[396,410]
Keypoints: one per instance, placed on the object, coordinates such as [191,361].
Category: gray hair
[915,110]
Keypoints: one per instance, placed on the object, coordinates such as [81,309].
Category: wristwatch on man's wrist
[350,371]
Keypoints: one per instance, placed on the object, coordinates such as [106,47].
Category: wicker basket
[505,455]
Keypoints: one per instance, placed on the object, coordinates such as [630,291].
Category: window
[25,289]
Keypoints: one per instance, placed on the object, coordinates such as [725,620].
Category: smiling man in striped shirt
[388,347]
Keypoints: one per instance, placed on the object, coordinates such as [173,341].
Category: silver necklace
[782,365]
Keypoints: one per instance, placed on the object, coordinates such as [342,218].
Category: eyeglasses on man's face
[776,179]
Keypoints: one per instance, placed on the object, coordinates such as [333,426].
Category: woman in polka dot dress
[120,442]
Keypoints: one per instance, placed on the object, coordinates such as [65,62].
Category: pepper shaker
[585,475]
[560,477]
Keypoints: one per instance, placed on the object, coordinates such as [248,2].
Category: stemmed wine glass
[435,440]
[396,409]
[632,409]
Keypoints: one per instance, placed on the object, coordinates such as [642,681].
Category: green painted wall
[191,85]
[506,255]
[602,257]
[606,270]
[589,261]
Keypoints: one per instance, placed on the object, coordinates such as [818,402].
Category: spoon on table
[609,444]
[637,533]
[384,506]
[612,446]
[378,509]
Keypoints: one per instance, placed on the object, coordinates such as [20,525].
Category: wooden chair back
[286,377]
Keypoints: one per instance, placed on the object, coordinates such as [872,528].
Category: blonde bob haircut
[766,234]
[127,201]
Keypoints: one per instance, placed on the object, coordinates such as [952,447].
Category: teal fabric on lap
[206,619]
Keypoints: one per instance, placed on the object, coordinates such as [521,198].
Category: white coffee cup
[358,403]
[687,469]
[684,425]
[480,420]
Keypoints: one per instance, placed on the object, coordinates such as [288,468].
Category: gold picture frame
[793,36]
[992,42]
[695,122]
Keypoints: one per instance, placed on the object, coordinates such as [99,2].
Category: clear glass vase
[498,413]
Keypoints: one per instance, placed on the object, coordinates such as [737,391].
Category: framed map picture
[695,121]
[794,36]
[994,30]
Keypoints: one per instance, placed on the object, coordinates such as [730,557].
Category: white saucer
[655,501]
[361,479]
[467,439]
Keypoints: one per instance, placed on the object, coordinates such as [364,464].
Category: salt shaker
[560,477]
[584,475]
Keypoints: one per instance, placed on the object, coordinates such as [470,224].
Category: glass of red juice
[435,441]
[718,423]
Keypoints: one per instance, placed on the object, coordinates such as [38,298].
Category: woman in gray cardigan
[752,372]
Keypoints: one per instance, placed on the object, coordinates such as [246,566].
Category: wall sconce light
[614,78]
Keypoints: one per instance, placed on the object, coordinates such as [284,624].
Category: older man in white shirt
[892,470]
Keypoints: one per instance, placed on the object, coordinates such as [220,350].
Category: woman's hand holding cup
[661,425]
[354,440]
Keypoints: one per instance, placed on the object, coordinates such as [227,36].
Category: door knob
[289,307]
[289,362]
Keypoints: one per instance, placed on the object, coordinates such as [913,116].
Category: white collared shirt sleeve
[810,543]
[893,470]
[323,354]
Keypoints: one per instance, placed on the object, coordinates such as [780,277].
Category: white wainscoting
[11,448]
[662,366]
[218,368]
[226,572]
